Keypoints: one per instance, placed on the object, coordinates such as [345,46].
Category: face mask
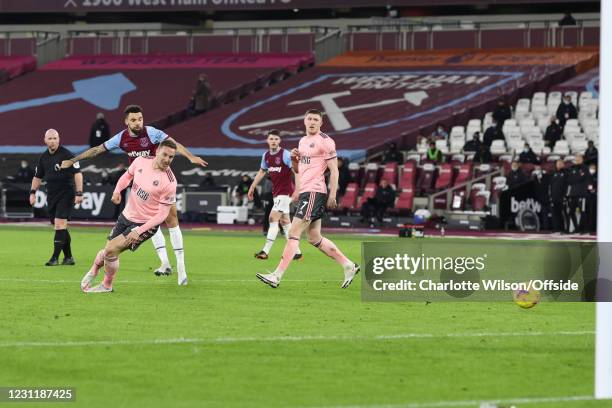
[514,168]
[24,165]
[566,102]
[592,171]
[525,150]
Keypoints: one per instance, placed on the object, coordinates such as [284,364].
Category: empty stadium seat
[407,176]
[349,199]
[426,178]
[498,147]
[464,173]
[482,169]
[356,172]
[445,176]
[371,173]
[405,200]
[578,146]
[561,147]
[476,188]
[481,200]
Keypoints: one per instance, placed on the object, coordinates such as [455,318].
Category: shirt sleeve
[168,195]
[155,135]
[134,166]
[39,172]
[287,158]
[263,165]
[329,149]
[113,142]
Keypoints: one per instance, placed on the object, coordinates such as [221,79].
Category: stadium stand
[162,84]
[14,66]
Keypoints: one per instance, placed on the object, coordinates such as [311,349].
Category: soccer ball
[526,298]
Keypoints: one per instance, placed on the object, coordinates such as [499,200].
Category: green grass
[306,344]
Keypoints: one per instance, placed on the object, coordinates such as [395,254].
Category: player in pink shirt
[138,140]
[316,153]
[153,194]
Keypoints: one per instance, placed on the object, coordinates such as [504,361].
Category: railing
[464,186]
[237,39]
[409,35]
[329,46]
[50,49]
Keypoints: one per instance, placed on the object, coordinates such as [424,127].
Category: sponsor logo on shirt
[274,169]
[305,159]
[144,153]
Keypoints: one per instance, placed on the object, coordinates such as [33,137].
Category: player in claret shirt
[153,195]
[141,141]
[277,163]
[316,154]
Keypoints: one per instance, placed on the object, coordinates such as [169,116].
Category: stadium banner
[96,204]
[514,200]
[183,61]
[66,6]
[433,271]
[582,56]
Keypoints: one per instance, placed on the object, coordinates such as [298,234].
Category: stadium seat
[481,170]
[457,159]
[445,176]
[368,192]
[498,147]
[442,145]
[413,157]
[481,200]
[561,147]
[578,146]
[407,176]
[371,173]
[356,172]
[349,198]
[476,188]
[390,173]
[426,178]
[405,201]
[464,173]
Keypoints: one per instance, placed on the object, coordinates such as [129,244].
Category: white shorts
[282,203]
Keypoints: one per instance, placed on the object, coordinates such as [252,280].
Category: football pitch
[227,340]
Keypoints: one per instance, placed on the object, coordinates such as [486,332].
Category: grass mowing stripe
[472,403]
[222,340]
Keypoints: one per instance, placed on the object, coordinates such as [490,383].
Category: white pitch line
[153,281]
[471,403]
[230,340]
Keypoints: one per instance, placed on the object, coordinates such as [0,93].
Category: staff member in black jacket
[558,189]
[61,194]
[591,201]
[577,191]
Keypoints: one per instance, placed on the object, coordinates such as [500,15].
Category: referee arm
[78,185]
[87,154]
[35,185]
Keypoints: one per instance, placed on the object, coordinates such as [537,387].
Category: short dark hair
[314,112]
[274,132]
[168,143]
[132,109]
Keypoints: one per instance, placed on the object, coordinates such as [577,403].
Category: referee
[61,195]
